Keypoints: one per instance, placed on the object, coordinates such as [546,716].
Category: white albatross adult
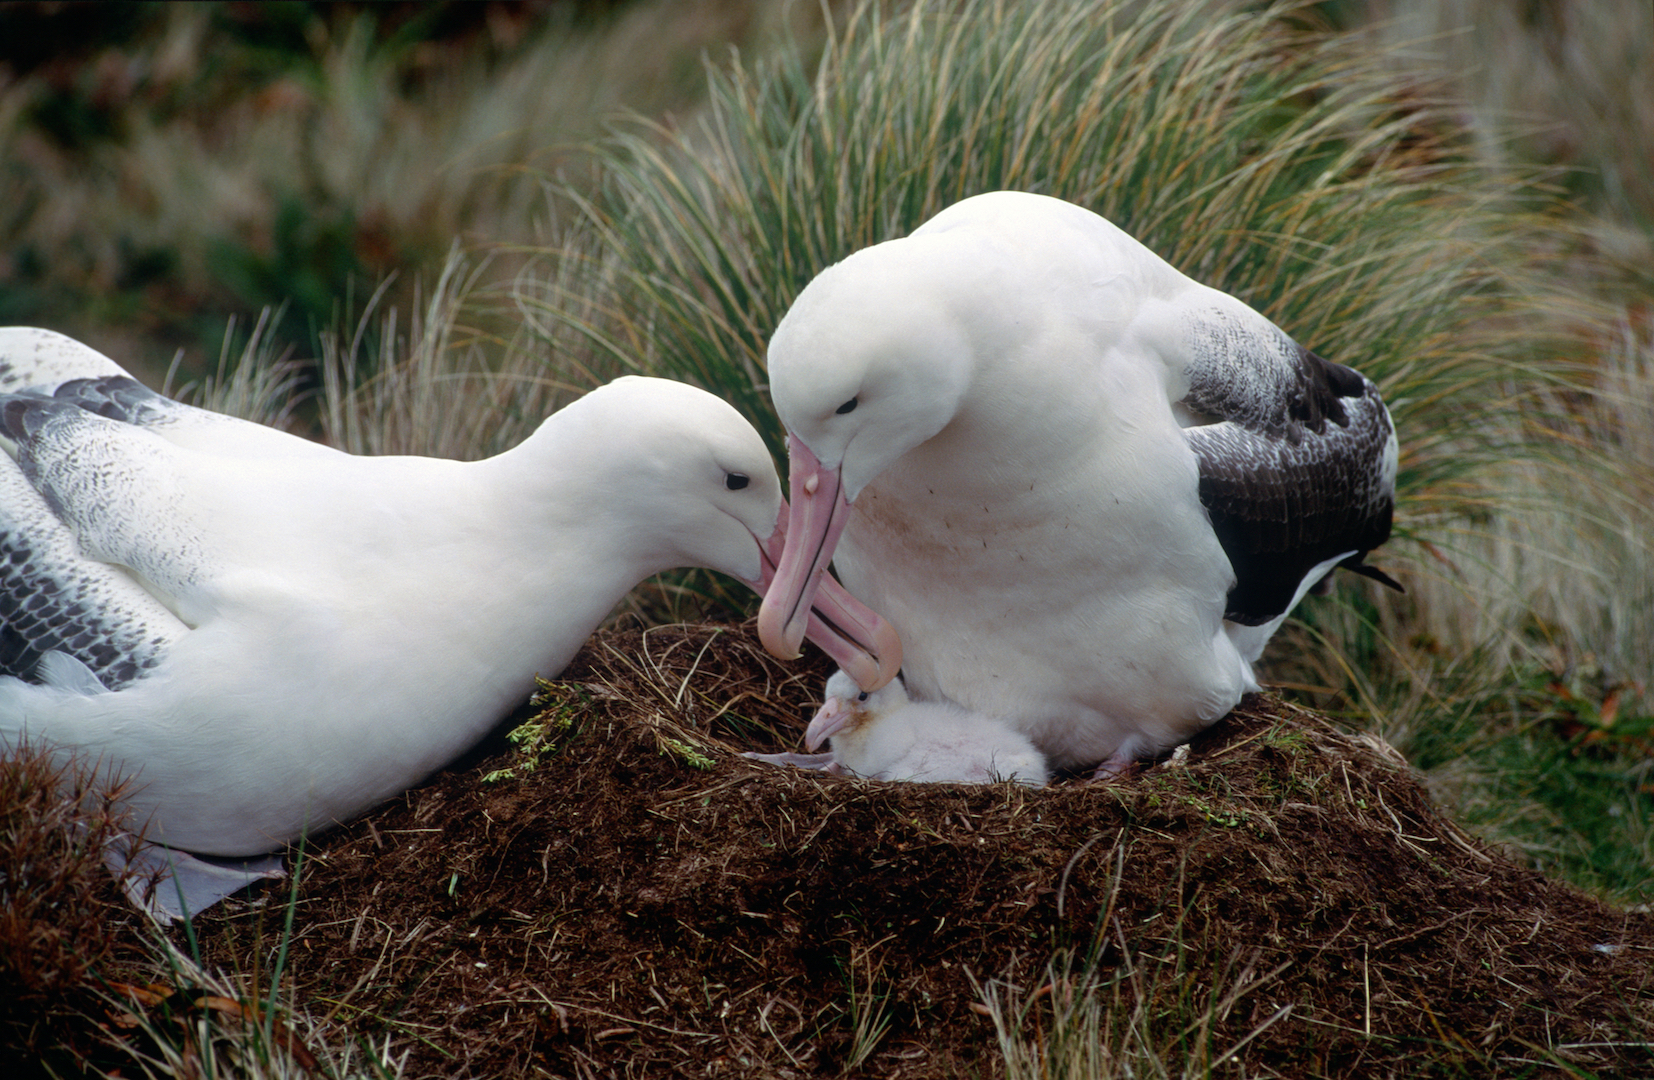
[1084,488]
[270,636]
[885,735]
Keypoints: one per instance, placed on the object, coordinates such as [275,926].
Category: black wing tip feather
[1322,388]
[1260,596]
[1355,565]
[1345,382]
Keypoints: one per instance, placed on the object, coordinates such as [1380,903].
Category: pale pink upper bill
[802,591]
[852,634]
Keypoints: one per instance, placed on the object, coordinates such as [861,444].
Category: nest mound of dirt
[624,895]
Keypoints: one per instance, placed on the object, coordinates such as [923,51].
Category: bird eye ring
[736,481]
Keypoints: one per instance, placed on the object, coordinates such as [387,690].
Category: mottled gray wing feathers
[118,397]
[113,485]
[1249,372]
[54,599]
[98,551]
[1298,466]
[48,364]
[30,357]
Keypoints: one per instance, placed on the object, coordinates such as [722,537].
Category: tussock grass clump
[196,1022]
[56,820]
[1568,85]
[1315,175]
[1147,1014]
[168,164]
[1276,163]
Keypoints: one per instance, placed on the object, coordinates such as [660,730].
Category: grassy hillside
[167,165]
[1453,198]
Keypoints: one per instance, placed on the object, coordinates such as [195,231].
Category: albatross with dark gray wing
[1084,488]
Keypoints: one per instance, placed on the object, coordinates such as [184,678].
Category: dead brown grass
[644,902]
[56,818]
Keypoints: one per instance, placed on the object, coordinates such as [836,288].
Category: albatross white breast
[1084,488]
[270,636]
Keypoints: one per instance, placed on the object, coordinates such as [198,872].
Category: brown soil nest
[642,901]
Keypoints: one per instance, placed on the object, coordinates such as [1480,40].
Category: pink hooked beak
[802,590]
[848,631]
[833,717]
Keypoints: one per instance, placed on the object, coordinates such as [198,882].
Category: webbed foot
[819,762]
[171,884]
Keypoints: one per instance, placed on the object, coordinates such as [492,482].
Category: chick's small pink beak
[832,718]
[803,600]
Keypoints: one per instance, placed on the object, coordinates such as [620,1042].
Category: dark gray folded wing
[1297,462]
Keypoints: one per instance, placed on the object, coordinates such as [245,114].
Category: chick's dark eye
[862,696]
[736,481]
[848,406]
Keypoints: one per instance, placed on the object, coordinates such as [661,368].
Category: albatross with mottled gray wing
[1084,488]
[269,636]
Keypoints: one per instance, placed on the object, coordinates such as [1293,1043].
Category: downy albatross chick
[1084,488]
[883,735]
[269,636]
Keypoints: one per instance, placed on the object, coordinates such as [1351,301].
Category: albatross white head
[874,361]
[690,441]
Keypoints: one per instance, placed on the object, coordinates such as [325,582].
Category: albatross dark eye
[848,406]
[862,696]
[736,481]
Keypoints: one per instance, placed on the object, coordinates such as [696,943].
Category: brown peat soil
[623,894]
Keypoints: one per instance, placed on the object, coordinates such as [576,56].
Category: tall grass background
[1388,201]
[1453,198]
[1339,180]
[1330,180]
[176,162]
